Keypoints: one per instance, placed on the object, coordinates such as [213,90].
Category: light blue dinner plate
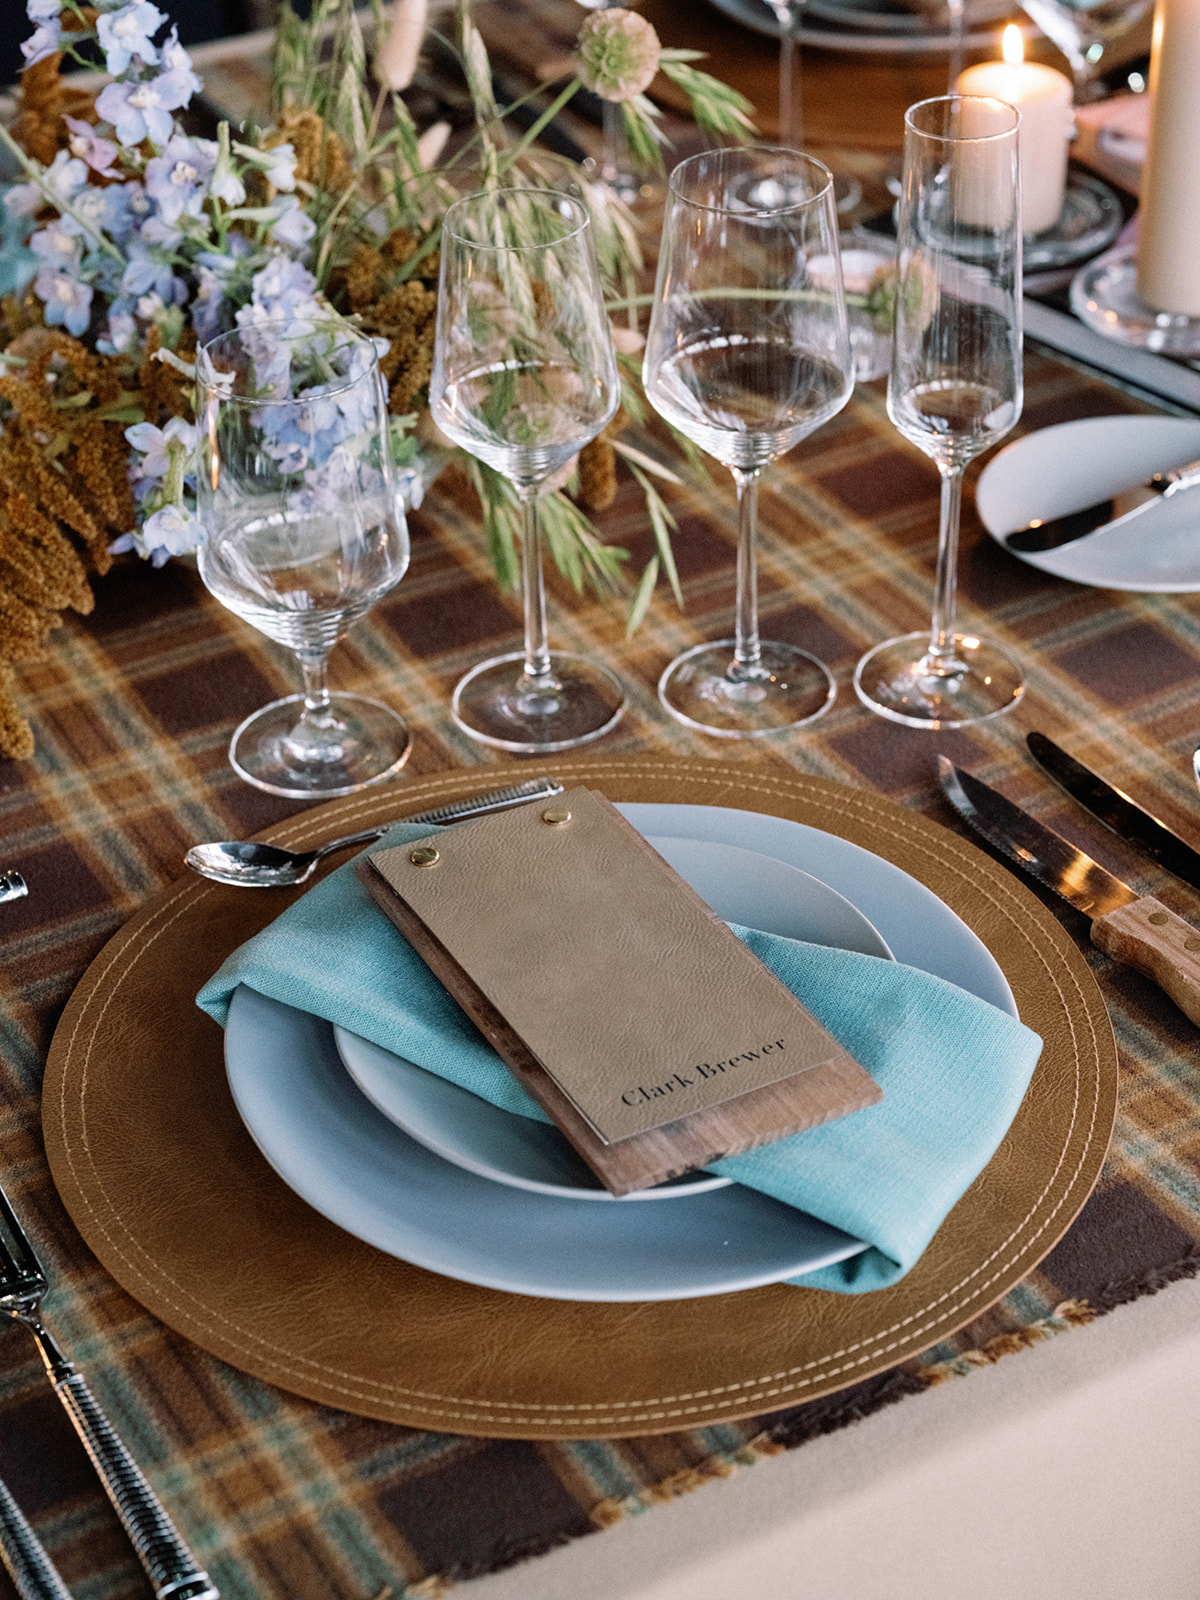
[347,1160]
[741,886]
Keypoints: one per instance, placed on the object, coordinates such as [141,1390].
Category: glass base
[1091,218]
[372,742]
[895,681]
[769,194]
[1104,295]
[498,705]
[703,690]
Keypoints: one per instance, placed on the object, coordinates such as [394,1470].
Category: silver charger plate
[935,40]
[342,1156]
[740,886]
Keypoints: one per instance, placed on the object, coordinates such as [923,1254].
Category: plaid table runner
[132,712]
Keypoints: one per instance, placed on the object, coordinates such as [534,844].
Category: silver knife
[1049,533]
[1117,811]
[1134,928]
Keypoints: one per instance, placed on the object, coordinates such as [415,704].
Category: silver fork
[169,1564]
[32,1571]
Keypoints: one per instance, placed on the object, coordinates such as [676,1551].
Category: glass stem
[316,689]
[537,645]
[317,735]
[614,160]
[956,9]
[747,654]
[942,655]
[791,118]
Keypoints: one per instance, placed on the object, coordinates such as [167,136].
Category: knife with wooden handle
[1134,928]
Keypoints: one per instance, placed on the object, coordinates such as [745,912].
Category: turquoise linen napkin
[952,1068]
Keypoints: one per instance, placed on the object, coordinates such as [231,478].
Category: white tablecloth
[1068,1470]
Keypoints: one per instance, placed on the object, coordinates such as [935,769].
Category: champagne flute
[303,531]
[955,383]
[748,353]
[524,375]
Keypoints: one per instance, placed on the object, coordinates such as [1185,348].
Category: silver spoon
[268,866]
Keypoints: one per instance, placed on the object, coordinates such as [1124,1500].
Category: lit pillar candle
[1168,277]
[1043,97]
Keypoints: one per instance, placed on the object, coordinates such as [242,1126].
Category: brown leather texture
[167,1188]
[612,991]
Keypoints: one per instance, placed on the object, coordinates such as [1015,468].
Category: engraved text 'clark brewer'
[703,1070]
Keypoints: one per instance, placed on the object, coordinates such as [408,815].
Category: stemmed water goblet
[1084,30]
[748,353]
[524,375]
[303,531]
[789,14]
[616,164]
[955,383]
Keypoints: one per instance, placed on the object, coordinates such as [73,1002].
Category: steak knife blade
[1116,810]
[1136,929]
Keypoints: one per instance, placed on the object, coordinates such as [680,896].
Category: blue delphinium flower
[121,334]
[62,179]
[67,301]
[142,109]
[59,249]
[147,273]
[177,180]
[177,65]
[158,448]
[293,226]
[171,531]
[125,33]
[87,144]
[42,42]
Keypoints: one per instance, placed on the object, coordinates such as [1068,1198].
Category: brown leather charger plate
[167,1188]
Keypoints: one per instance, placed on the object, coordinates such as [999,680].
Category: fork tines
[20,1270]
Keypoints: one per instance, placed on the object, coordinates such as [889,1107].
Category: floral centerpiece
[131,241]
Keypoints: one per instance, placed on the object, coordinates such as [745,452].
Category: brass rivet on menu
[1191,944]
[426,856]
[556,816]
[1158,918]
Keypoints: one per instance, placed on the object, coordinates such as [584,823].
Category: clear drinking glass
[789,14]
[748,353]
[955,383]
[524,375]
[1084,30]
[303,531]
[616,164]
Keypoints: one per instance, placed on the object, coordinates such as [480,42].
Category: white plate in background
[1074,464]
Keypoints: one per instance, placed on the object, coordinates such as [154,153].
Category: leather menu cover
[646,1029]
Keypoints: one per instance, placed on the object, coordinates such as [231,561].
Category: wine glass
[747,353]
[524,375]
[1084,30]
[616,165]
[955,382]
[303,531]
[789,14]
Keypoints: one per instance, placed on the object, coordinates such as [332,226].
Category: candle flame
[1012,45]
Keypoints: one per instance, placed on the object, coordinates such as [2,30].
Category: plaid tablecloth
[286,1500]
[283,1499]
